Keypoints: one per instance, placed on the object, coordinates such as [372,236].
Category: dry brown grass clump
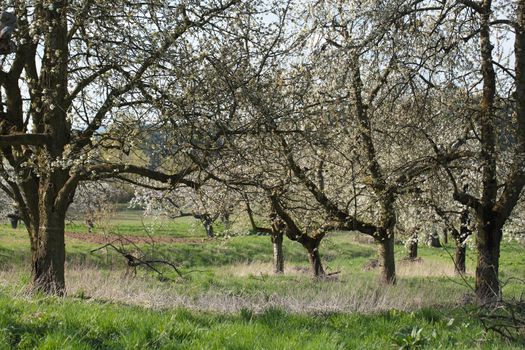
[425,268]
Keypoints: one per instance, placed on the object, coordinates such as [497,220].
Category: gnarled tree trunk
[282,222]
[45,220]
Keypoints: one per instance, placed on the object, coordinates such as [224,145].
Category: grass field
[228,296]
[131,222]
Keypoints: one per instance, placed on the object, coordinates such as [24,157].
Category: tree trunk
[249,211]
[488,238]
[315,262]
[48,254]
[208,226]
[225,219]
[278,256]
[487,270]
[460,238]
[412,246]
[45,209]
[292,231]
[459,261]
[386,255]
[445,235]
[433,240]
[14,222]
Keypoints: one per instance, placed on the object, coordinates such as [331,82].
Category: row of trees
[324,115]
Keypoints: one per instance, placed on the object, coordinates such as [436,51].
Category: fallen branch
[133,261]
[333,273]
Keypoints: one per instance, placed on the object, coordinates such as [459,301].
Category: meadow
[228,296]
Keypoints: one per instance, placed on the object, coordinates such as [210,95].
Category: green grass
[49,323]
[251,307]
[132,222]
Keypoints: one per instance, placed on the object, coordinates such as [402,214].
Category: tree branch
[476,6]
[24,139]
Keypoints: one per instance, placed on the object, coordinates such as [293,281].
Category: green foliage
[411,339]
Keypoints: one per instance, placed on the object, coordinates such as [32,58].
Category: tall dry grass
[295,292]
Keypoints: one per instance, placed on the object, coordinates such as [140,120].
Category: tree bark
[48,213]
[49,256]
[45,221]
[412,247]
[487,269]
[315,262]
[386,255]
[387,239]
[459,260]
[278,256]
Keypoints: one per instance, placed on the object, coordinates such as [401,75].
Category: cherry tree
[207,202]
[357,118]
[77,92]
[485,39]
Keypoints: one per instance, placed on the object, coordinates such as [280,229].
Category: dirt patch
[106,238]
